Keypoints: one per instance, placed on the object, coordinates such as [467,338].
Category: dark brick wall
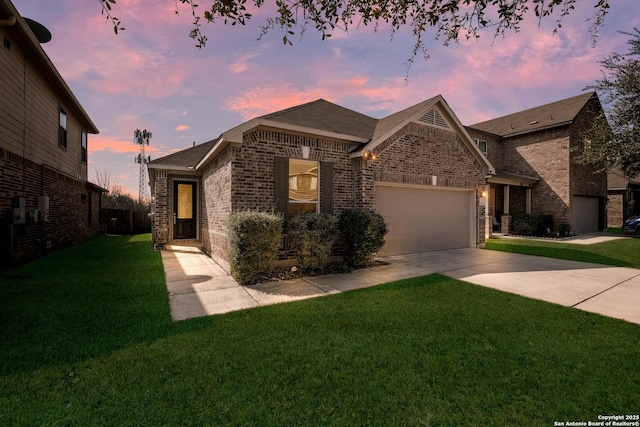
[74,209]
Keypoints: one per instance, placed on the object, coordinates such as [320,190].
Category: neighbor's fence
[120,221]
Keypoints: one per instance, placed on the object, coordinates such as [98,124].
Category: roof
[187,158]
[27,41]
[321,117]
[617,181]
[543,117]
[326,116]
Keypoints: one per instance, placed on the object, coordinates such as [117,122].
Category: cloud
[262,100]
[241,64]
[182,128]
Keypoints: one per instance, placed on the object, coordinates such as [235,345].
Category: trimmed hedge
[311,236]
[363,233]
[531,225]
[254,242]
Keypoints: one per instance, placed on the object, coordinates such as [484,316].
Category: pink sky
[151,76]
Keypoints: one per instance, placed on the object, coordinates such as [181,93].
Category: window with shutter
[303,186]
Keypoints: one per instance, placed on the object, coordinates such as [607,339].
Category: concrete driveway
[197,286]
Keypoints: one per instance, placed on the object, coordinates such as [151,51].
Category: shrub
[363,233]
[531,225]
[254,242]
[565,229]
[311,236]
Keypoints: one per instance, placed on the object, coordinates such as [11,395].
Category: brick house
[533,153]
[624,198]
[46,201]
[419,168]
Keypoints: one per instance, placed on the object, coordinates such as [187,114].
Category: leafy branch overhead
[450,19]
[614,143]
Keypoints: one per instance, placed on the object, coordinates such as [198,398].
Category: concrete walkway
[197,286]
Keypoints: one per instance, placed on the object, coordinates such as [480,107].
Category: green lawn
[621,252]
[86,339]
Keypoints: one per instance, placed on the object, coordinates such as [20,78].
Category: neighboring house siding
[32,164]
[29,115]
[543,154]
[615,209]
[74,209]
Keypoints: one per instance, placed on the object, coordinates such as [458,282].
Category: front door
[184,210]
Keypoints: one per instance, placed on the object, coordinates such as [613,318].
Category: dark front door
[184,210]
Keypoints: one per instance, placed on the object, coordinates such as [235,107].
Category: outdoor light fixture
[369,155]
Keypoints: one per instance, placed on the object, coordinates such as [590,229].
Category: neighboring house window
[303,186]
[482,144]
[62,129]
[83,150]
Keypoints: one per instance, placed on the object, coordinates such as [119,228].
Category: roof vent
[534,122]
[433,117]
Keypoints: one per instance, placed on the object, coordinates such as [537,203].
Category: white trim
[447,114]
[426,187]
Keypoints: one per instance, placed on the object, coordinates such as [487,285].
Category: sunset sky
[151,76]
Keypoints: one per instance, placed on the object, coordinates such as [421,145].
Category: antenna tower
[141,138]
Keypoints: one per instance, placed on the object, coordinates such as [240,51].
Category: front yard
[86,339]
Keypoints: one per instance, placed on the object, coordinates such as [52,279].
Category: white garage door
[585,214]
[425,219]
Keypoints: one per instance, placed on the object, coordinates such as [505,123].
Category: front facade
[432,179]
[533,152]
[419,168]
[46,201]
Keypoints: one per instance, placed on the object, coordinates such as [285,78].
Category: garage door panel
[586,213]
[421,220]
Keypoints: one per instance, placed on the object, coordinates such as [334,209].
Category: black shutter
[326,188]
[282,185]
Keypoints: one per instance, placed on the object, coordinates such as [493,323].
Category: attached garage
[425,218]
[586,214]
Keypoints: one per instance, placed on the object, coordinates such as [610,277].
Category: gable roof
[184,159]
[617,181]
[324,115]
[546,116]
[324,118]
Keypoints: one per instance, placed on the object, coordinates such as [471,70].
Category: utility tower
[141,138]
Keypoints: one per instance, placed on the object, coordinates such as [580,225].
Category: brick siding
[70,218]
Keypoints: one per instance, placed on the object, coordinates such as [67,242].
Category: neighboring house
[45,199]
[419,168]
[533,153]
[624,198]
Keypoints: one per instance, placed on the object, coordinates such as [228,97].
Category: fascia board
[437,100]
[234,136]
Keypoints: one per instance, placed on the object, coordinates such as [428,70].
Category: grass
[621,253]
[87,339]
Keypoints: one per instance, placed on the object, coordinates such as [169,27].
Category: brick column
[161,217]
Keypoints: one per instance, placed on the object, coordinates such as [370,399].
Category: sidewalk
[197,286]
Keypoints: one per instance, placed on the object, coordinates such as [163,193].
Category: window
[482,144]
[83,149]
[62,129]
[303,186]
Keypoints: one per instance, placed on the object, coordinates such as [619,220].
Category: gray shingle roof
[186,158]
[617,180]
[326,116]
[545,116]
